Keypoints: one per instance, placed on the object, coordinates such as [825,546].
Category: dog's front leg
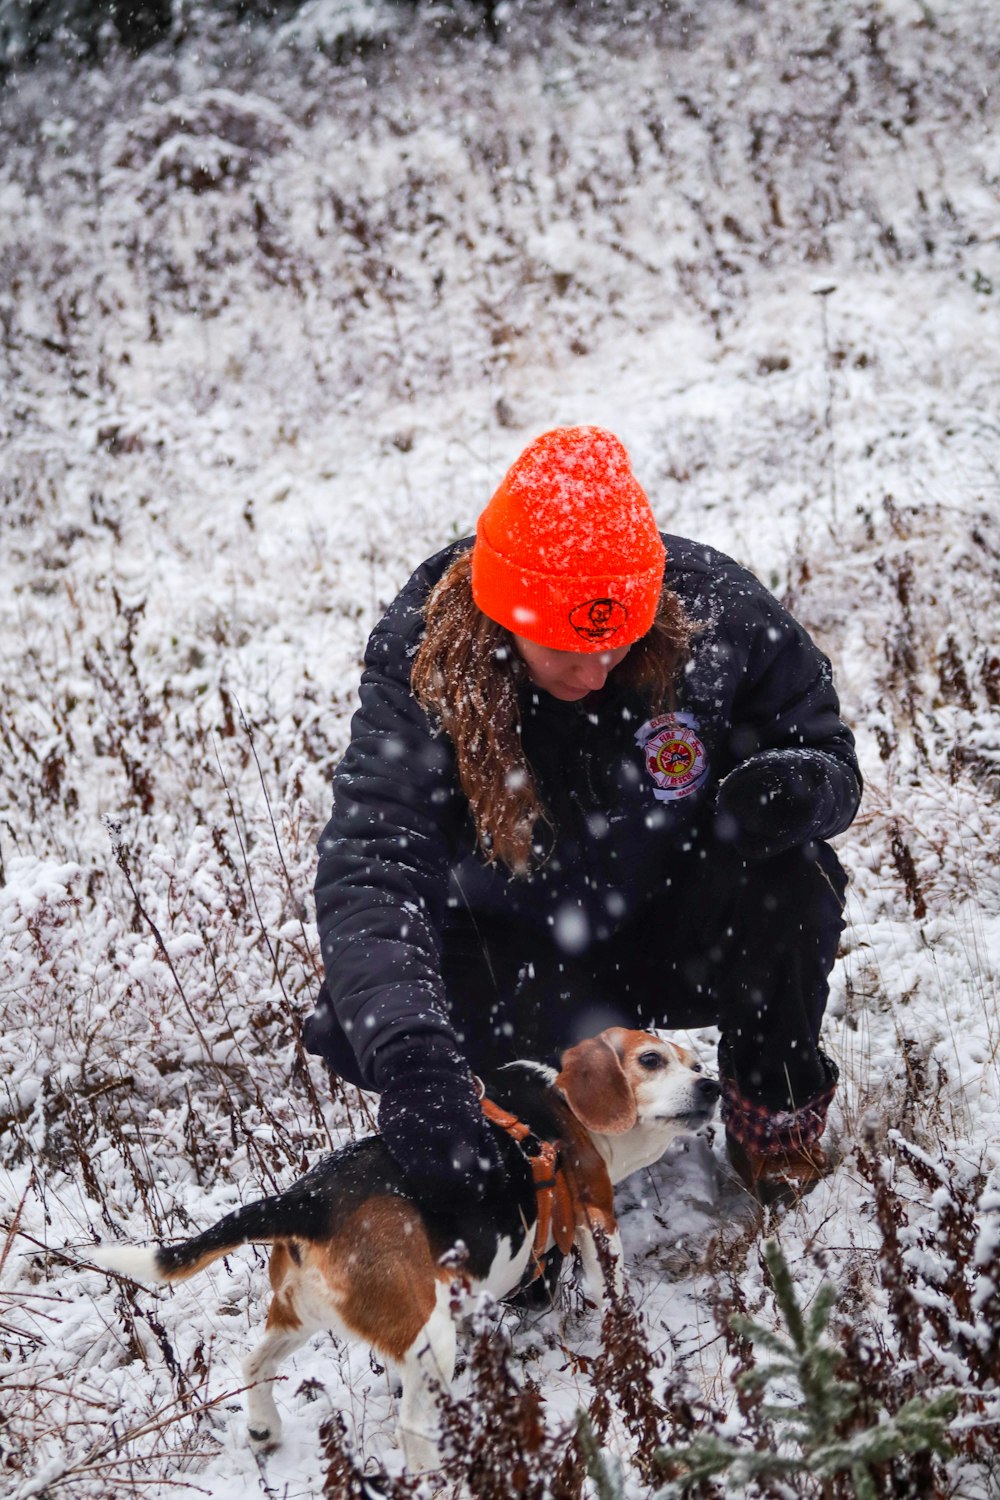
[427,1370]
[595,1285]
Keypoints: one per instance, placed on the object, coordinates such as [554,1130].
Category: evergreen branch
[601,1467]
[804,1358]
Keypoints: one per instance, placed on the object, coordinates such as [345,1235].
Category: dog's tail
[308,1210]
[265,1220]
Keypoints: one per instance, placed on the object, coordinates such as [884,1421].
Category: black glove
[432,1122]
[779,799]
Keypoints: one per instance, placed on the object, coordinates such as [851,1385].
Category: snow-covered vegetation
[278,307]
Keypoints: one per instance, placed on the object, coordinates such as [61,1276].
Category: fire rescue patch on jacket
[674,755]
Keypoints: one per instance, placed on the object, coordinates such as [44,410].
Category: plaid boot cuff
[770,1132]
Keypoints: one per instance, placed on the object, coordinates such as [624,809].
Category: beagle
[355,1253]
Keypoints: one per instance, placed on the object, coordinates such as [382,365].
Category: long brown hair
[466,674]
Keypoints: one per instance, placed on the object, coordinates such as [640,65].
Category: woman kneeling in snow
[588,784]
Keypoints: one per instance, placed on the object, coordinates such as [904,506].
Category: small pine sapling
[818,1436]
[604,1470]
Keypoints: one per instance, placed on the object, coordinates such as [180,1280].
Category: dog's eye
[697,1068]
[650,1060]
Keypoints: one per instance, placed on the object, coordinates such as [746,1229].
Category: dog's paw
[263,1439]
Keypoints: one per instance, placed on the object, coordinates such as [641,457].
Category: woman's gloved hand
[431,1120]
[782,798]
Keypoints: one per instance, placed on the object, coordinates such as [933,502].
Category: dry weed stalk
[111,1464]
[623,1371]
[495,1438]
[941,1281]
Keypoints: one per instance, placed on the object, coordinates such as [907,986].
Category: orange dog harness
[571,1182]
[552,1189]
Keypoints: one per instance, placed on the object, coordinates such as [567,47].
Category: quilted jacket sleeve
[382,880]
[786,702]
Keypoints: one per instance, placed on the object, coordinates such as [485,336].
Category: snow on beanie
[567,553]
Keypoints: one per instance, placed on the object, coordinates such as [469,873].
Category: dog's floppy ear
[596,1089]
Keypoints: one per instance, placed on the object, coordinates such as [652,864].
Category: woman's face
[568,675]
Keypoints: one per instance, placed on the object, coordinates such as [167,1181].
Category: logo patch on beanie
[674,755]
[598,618]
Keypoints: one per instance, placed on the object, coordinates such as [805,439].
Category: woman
[588,783]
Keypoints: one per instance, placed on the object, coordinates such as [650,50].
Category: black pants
[745,947]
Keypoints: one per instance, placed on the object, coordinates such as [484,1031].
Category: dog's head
[621,1079]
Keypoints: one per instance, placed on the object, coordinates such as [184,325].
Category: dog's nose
[709,1090]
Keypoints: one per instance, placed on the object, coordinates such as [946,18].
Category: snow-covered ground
[276,317]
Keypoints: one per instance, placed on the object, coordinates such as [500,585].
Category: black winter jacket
[630,795]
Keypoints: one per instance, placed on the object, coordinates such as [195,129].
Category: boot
[776,1153]
[781,1176]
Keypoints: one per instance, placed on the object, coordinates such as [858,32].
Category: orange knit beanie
[567,553]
